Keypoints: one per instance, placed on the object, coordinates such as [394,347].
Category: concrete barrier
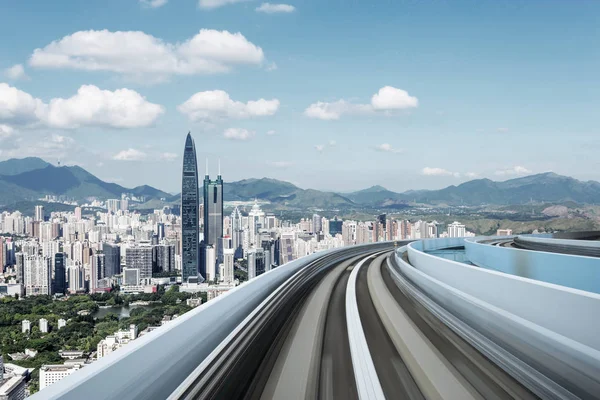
[532,300]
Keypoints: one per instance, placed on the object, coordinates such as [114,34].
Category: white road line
[367,381]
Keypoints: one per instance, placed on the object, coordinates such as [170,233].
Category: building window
[214,194]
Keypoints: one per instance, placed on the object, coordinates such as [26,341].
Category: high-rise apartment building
[113,205]
[140,257]
[189,212]
[38,275]
[39,213]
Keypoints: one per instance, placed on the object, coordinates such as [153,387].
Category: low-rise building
[71,354]
[194,302]
[50,374]
[25,326]
[114,342]
[62,323]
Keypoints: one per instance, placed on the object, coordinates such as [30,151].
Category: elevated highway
[379,321]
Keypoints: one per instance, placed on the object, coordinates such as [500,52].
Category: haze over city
[405,94]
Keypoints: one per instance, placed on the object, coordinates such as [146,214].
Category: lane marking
[367,381]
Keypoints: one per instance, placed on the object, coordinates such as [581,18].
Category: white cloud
[168,156]
[472,175]
[502,130]
[320,147]
[15,72]
[386,100]
[516,170]
[386,147]
[5,131]
[215,104]
[390,98]
[210,4]
[269,8]
[18,106]
[91,106]
[130,155]
[280,164]
[153,3]
[271,67]
[332,143]
[271,132]
[429,171]
[238,134]
[136,54]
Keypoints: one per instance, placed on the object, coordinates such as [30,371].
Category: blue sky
[465,88]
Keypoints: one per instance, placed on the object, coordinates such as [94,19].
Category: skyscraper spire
[206,166]
[219,167]
[189,212]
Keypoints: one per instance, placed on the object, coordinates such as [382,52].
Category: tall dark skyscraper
[59,284]
[189,212]
[112,259]
[213,214]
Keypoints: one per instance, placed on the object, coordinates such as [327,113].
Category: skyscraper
[189,212]
[60,274]
[213,214]
[39,213]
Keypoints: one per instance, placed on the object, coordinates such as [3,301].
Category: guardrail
[154,365]
[577,272]
[546,325]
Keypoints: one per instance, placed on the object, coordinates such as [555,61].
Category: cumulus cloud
[153,3]
[210,4]
[472,175]
[130,155]
[271,67]
[388,148]
[238,134]
[390,98]
[137,54]
[215,104]
[269,8]
[332,143]
[432,171]
[18,106]
[15,72]
[168,156]
[5,131]
[271,132]
[280,164]
[91,106]
[320,147]
[516,170]
[386,100]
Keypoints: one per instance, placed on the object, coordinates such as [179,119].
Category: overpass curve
[348,323]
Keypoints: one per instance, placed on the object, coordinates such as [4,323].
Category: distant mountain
[73,182]
[29,179]
[376,196]
[265,188]
[283,194]
[16,166]
[546,187]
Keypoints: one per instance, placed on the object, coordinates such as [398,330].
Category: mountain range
[29,179]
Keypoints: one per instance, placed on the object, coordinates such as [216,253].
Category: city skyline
[291,97]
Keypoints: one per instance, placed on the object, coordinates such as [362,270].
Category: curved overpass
[375,321]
